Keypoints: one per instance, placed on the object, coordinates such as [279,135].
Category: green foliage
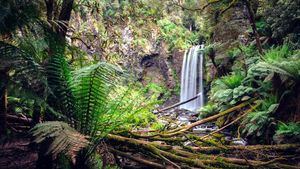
[64,139]
[17,13]
[175,35]
[156,91]
[59,78]
[285,68]
[289,129]
[285,27]
[222,96]
[208,110]
[277,54]
[91,86]
[241,93]
[232,81]
[34,46]
[134,105]
[21,105]
[257,123]
[158,126]
[281,60]
[229,90]
[25,71]
[233,53]
[263,28]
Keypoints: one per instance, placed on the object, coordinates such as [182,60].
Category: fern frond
[64,139]
[27,72]
[91,86]
[59,76]
[287,68]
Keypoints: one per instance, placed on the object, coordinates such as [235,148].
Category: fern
[277,54]
[91,86]
[232,81]
[26,72]
[290,129]
[286,68]
[208,110]
[256,123]
[64,139]
[59,77]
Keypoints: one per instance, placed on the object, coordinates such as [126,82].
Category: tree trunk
[3,101]
[65,16]
[45,161]
[50,7]
[297,113]
[36,115]
[251,18]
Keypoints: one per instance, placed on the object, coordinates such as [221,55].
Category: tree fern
[59,77]
[91,86]
[288,68]
[64,139]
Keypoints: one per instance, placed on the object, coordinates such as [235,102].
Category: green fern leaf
[64,138]
[91,86]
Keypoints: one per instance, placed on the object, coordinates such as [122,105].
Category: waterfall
[191,78]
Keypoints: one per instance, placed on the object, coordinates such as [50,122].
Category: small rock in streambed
[236,141]
[205,128]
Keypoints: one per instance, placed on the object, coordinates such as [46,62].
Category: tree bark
[251,18]
[65,16]
[50,8]
[3,101]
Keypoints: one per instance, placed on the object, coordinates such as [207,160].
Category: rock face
[232,26]
[161,68]
[164,69]
[176,61]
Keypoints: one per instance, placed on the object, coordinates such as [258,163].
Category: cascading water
[191,78]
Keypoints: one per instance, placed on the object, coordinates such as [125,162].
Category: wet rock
[204,128]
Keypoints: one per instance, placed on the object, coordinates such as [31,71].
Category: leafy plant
[257,123]
[176,36]
[288,68]
[277,54]
[285,26]
[287,132]
[232,81]
[229,90]
[208,110]
[289,129]
[80,96]
[65,139]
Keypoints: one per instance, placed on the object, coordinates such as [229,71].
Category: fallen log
[137,159]
[169,146]
[178,156]
[280,147]
[209,119]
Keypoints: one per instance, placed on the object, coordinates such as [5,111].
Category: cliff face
[164,69]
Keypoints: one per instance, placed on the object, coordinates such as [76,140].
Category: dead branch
[137,159]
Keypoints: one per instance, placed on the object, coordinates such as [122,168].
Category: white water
[191,78]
